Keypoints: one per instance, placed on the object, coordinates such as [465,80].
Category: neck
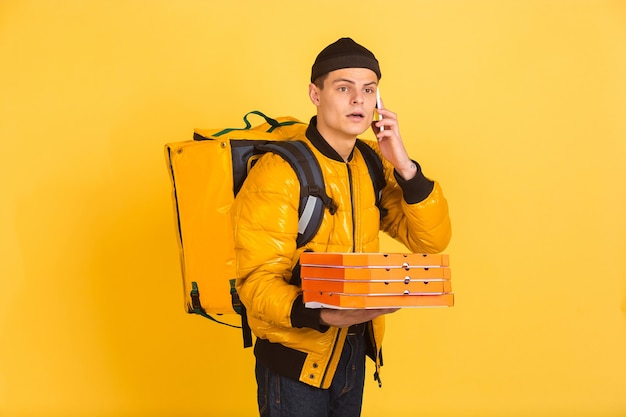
[342,144]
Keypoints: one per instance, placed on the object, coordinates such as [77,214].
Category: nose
[357,98]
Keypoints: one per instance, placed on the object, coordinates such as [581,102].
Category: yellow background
[517,107]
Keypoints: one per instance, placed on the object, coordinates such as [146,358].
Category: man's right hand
[346,318]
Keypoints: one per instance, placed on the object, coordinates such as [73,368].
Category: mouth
[356,115]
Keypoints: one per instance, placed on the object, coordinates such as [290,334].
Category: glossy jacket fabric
[290,338]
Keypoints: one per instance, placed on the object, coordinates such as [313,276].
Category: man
[311,362]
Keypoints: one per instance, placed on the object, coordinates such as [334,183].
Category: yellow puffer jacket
[290,338]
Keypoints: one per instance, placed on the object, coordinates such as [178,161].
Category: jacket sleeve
[417,212]
[265,219]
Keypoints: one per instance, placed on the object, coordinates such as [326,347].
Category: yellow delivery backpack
[207,172]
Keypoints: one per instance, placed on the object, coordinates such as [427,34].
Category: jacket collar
[320,143]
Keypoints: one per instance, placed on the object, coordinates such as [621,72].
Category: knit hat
[344,53]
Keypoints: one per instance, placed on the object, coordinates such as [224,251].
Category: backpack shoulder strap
[313,197]
[377,173]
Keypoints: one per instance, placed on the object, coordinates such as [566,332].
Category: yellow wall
[517,107]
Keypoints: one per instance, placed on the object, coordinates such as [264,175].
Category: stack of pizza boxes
[375,280]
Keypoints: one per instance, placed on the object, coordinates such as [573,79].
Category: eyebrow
[346,80]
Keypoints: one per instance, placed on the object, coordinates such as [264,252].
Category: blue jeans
[280,396]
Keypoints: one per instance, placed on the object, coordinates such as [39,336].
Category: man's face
[345,106]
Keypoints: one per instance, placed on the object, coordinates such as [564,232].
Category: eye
[369,90]
[343,89]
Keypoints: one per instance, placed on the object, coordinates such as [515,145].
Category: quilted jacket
[290,338]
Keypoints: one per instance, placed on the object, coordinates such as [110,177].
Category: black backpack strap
[240,309]
[313,197]
[196,307]
[377,173]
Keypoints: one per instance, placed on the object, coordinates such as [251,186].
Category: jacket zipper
[352,208]
[378,353]
[353,250]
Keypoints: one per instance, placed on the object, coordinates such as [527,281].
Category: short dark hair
[319,81]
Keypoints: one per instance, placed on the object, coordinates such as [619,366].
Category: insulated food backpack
[206,174]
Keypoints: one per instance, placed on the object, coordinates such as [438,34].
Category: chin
[359,130]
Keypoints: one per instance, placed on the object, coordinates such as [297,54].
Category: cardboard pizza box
[318,299]
[374,274]
[397,287]
[373,260]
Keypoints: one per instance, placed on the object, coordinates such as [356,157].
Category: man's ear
[314,94]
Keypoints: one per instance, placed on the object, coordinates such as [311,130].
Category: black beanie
[345,53]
